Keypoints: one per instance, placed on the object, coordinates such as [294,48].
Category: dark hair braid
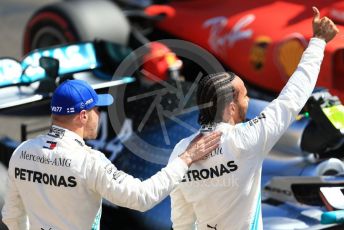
[214,92]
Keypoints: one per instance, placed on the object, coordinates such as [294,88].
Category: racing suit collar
[224,124]
[60,132]
[215,126]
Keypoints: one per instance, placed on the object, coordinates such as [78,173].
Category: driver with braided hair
[223,190]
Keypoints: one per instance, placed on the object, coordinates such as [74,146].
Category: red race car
[262,41]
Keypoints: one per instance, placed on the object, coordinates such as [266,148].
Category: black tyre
[73,21]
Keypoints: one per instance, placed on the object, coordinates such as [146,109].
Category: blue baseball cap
[73,96]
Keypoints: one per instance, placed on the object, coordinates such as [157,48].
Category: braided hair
[214,92]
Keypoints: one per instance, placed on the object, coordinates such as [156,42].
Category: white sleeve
[260,134]
[127,191]
[13,212]
[182,213]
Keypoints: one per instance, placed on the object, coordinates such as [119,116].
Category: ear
[232,108]
[229,111]
[83,116]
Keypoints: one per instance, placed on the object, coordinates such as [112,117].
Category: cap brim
[104,100]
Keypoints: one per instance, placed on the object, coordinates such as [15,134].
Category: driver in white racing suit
[222,191]
[57,182]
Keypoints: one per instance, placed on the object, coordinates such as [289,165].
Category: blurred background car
[148,119]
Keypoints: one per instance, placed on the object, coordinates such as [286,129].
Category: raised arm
[264,131]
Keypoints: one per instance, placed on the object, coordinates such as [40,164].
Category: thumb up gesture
[323,28]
